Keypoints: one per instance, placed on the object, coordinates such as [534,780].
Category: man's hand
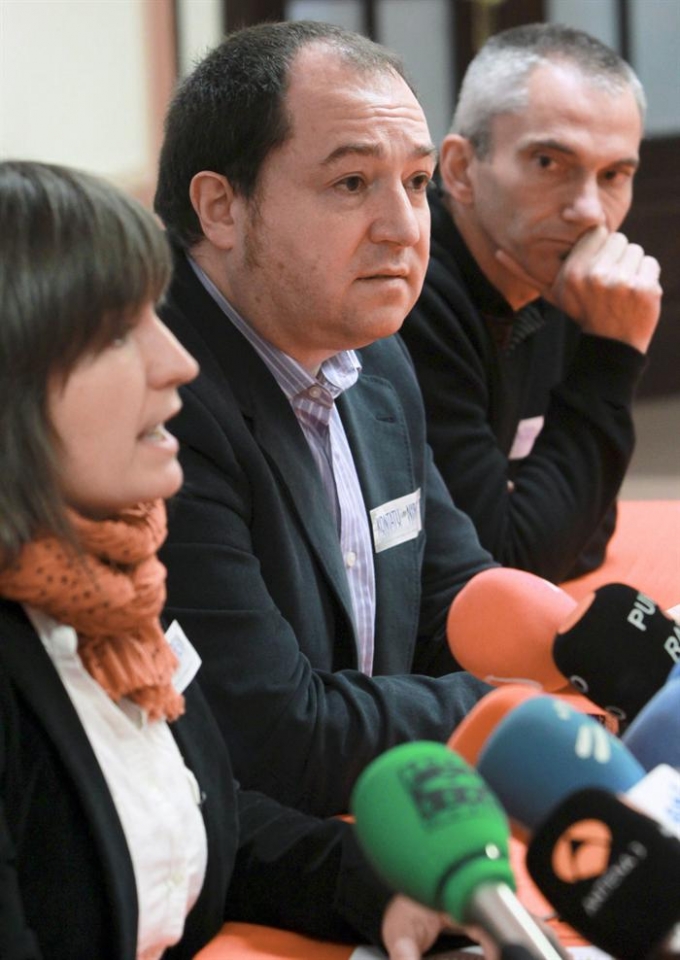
[409,929]
[609,286]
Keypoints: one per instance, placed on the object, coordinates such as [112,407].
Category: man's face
[555,170]
[331,253]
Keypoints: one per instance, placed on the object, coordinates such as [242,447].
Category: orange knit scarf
[111,591]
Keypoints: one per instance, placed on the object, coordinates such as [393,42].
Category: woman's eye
[121,337]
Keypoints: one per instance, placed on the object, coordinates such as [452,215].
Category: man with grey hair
[530,335]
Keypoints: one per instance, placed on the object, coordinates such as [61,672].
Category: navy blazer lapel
[289,456]
[225,355]
[26,661]
[373,418]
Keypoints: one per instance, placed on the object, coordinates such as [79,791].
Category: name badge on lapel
[184,650]
[396,521]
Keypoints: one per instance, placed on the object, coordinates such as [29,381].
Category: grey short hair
[496,82]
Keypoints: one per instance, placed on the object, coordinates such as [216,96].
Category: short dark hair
[229,114]
[496,81]
[78,259]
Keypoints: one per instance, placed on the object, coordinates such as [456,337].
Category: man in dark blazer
[314,551]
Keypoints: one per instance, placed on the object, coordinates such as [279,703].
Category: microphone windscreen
[430,826]
[654,735]
[618,648]
[543,750]
[610,871]
[501,627]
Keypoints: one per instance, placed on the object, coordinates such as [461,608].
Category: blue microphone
[543,750]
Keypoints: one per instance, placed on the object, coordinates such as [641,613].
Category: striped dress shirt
[312,399]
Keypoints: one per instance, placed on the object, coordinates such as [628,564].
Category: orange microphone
[501,628]
[502,625]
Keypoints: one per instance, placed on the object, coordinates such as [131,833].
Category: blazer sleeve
[335,894]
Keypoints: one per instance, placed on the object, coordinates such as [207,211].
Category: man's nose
[395,219]
[585,206]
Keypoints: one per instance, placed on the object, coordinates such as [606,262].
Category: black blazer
[67,888]
[256,576]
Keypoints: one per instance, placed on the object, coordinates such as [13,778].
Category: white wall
[74,85]
[655,49]
[199,28]
[79,78]
[419,31]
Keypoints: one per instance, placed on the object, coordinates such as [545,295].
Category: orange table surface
[246,941]
[243,941]
[644,553]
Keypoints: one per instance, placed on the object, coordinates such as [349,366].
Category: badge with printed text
[189,660]
[396,521]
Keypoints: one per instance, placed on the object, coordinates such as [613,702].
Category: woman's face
[110,415]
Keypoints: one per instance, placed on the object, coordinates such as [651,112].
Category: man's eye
[351,184]
[420,182]
[544,161]
[617,177]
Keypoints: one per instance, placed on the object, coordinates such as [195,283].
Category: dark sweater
[483,370]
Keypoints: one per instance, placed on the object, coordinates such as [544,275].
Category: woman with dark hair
[122,832]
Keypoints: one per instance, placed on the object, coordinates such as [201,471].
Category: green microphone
[433,830]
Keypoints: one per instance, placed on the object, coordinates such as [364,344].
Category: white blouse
[156,796]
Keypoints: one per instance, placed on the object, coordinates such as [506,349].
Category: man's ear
[212,197]
[455,158]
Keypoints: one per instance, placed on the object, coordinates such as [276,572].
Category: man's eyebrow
[364,149]
[559,147]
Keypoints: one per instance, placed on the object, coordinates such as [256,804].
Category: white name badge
[527,431]
[396,521]
[189,660]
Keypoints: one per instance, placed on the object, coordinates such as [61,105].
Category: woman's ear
[456,155]
[212,197]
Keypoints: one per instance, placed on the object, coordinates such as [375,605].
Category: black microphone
[617,647]
[609,871]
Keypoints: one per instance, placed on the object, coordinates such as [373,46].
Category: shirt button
[350,558]
[315,392]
